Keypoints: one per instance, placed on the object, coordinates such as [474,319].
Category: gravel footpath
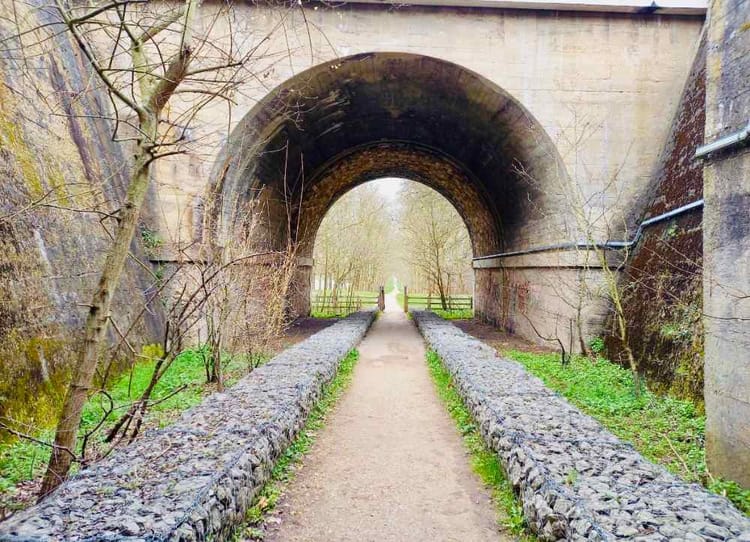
[577,481]
[194,480]
[389,465]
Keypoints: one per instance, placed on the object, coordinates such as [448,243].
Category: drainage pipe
[606,245]
[727,142]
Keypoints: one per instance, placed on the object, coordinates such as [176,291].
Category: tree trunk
[441,290]
[98,317]
[216,369]
[124,422]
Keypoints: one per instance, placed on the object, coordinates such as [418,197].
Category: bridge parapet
[637,7]
[194,480]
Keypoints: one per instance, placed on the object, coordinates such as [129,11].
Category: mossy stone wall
[59,171]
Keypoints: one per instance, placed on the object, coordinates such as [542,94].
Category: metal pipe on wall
[605,245]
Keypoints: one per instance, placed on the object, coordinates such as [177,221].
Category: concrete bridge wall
[603,86]
[598,89]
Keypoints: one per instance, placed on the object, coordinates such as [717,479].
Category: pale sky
[389,187]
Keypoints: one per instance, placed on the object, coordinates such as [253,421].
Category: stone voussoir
[577,481]
[194,480]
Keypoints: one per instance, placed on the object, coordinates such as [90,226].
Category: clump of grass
[455,314]
[664,429]
[483,460]
[284,471]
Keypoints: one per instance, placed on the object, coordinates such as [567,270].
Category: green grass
[483,461]
[435,304]
[284,471]
[456,314]
[343,294]
[321,311]
[665,430]
[22,460]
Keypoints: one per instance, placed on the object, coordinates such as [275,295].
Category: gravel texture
[389,466]
[577,481]
[194,480]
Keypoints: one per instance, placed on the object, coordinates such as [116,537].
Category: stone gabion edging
[577,481]
[194,480]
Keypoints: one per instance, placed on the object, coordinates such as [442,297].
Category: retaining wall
[577,480]
[194,480]
[726,244]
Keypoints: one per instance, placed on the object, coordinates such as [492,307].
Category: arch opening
[392,233]
[373,115]
[359,118]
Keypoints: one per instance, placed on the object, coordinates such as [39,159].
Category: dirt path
[389,465]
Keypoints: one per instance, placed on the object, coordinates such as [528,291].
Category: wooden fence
[343,303]
[433,302]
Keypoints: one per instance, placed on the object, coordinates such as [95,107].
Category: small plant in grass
[597,345]
[732,491]
[283,471]
[483,460]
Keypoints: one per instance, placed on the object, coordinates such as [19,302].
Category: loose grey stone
[194,480]
[573,475]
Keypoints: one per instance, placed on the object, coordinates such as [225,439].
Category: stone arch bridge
[551,125]
[521,118]
[544,123]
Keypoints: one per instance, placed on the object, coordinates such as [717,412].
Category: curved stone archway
[405,161]
[373,115]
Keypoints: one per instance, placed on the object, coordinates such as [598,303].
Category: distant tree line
[414,234]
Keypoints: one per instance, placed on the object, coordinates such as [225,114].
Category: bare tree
[435,240]
[586,226]
[141,55]
[354,245]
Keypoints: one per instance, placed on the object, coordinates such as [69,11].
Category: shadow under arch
[357,118]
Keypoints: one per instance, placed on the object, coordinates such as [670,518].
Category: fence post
[381,298]
[429,301]
[406,300]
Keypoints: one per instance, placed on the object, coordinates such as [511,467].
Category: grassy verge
[450,314]
[665,430]
[22,461]
[483,461]
[455,314]
[284,470]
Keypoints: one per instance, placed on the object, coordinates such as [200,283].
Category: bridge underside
[376,115]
